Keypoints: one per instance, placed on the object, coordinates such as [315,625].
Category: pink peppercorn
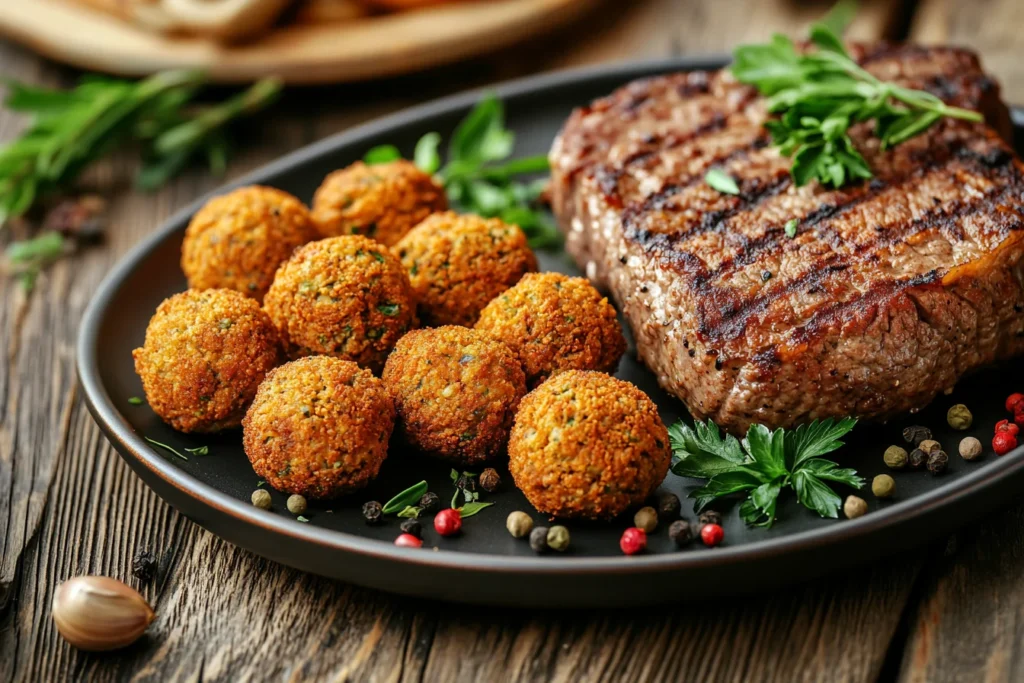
[1013,402]
[448,522]
[1003,443]
[633,541]
[408,541]
[1007,426]
[711,534]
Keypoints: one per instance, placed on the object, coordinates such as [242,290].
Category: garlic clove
[99,613]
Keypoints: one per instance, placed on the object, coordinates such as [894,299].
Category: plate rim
[127,442]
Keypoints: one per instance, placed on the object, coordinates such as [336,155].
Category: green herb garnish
[764,464]
[479,177]
[465,486]
[410,511]
[300,518]
[721,181]
[165,446]
[791,227]
[198,450]
[408,497]
[817,96]
[135,401]
[470,509]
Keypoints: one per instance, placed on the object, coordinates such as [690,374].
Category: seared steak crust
[889,292]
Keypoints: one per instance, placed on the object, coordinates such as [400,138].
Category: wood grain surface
[69,505]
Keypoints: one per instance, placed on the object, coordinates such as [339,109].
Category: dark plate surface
[485,564]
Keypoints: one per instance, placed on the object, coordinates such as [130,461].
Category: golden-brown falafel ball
[457,264]
[205,354]
[456,392]
[383,201]
[238,240]
[319,427]
[586,444]
[347,297]
[555,323]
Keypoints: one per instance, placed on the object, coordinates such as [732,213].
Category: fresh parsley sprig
[764,464]
[479,177]
[818,95]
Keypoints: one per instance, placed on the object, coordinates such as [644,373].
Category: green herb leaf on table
[135,401]
[408,497]
[198,450]
[817,95]
[470,509]
[410,512]
[300,518]
[763,465]
[166,447]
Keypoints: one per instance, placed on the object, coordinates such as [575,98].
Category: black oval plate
[485,564]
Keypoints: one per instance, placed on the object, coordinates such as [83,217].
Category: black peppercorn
[668,506]
[412,526]
[539,539]
[373,513]
[429,503]
[682,532]
[710,517]
[916,434]
[937,462]
[144,566]
[918,459]
[490,480]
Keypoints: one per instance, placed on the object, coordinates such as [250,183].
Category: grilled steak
[889,291]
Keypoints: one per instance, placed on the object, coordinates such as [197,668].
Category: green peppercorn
[959,417]
[710,517]
[929,445]
[412,526]
[669,506]
[558,538]
[519,524]
[854,507]
[490,480]
[646,519]
[916,434]
[917,459]
[970,448]
[373,512]
[261,499]
[539,539]
[937,462]
[682,532]
[895,458]
[883,486]
[296,504]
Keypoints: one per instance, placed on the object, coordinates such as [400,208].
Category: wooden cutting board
[299,53]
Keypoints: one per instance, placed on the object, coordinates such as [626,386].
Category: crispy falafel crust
[587,445]
[383,201]
[456,392]
[319,427]
[346,297]
[238,240]
[204,356]
[554,323]
[457,264]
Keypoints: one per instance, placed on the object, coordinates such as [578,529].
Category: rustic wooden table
[69,505]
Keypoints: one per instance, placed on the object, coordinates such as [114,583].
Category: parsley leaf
[721,181]
[763,465]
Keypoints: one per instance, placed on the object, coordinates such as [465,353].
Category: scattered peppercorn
[490,480]
[883,486]
[144,566]
[373,512]
[711,534]
[558,538]
[1007,426]
[1018,415]
[895,458]
[261,499]
[296,504]
[429,502]
[917,459]
[408,541]
[1013,401]
[710,517]
[669,506]
[682,532]
[929,445]
[647,519]
[937,462]
[539,539]
[412,527]
[854,507]
[959,417]
[633,541]
[448,522]
[916,434]
[970,448]
[519,524]
[1003,443]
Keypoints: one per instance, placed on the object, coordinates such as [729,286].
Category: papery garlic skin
[97,613]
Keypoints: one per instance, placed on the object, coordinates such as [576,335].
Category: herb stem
[166,447]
